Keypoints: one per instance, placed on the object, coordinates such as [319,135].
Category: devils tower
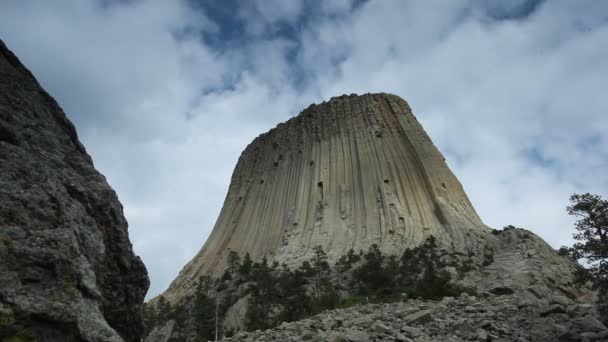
[349,173]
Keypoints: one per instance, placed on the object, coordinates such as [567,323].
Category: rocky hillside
[466,318]
[341,177]
[67,268]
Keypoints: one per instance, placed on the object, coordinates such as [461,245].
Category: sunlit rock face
[67,268]
[347,173]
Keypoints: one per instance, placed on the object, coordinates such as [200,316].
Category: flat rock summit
[67,268]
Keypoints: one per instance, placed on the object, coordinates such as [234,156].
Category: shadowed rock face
[347,173]
[67,269]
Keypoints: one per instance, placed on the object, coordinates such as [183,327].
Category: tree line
[277,293]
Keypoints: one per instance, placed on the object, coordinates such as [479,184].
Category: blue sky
[166,94]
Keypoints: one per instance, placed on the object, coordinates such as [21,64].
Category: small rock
[381,328]
[469,308]
[464,327]
[363,320]
[336,337]
[411,331]
[419,317]
[551,309]
[589,324]
[581,310]
[402,338]
[501,290]
[353,335]
[482,335]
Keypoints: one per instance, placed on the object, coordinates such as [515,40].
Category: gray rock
[419,317]
[401,337]
[162,333]
[501,290]
[411,331]
[588,324]
[482,335]
[552,309]
[353,335]
[67,268]
[381,328]
[581,310]
[464,327]
[363,320]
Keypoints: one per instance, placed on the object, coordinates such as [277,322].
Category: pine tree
[203,314]
[262,299]
[163,309]
[246,266]
[234,262]
[150,319]
[321,270]
[592,243]
[295,302]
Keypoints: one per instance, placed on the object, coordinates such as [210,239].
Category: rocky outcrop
[347,173]
[466,318]
[356,171]
[67,269]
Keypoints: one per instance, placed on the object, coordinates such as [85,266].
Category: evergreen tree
[163,309]
[234,262]
[150,319]
[203,315]
[372,277]
[321,270]
[295,302]
[592,243]
[325,296]
[246,266]
[306,269]
[262,299]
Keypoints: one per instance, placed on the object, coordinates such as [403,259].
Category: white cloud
[517,106]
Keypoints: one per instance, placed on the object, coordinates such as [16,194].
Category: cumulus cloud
[166,94]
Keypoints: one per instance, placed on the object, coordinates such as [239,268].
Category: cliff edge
[67,268]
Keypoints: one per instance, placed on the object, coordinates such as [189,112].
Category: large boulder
[67,268]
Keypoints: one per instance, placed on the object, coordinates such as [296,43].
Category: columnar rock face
[67,269]
[347,173]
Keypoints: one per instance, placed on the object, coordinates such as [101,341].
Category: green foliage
[262,298]
[351,301]
[227,276]
[592,242]
[416,274]
[246,266]
[306,269]
[163,310]
[150,319]
[278,294]
[373,278]
[6,318]
[21,337]
[320,277]
[203,313]
[234,262]
[347,261]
